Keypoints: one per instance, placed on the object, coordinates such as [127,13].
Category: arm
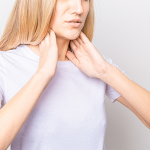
[89,60]
[126,104]
[14,114]
[136,98]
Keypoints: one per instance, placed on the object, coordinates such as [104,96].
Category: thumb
[52,37]
[72,58]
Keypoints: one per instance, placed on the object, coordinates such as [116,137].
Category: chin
[73,38]
[72,35]
[68,34]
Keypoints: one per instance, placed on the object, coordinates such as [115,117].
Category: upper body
[70,113]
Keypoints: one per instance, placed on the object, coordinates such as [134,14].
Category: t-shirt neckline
[59,63]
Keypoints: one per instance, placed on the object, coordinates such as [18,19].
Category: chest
[72,100]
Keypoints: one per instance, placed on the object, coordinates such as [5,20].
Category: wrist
[44,75]
[108,72]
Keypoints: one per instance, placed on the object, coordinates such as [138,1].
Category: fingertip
[81,33]
[50,31]
[68,52]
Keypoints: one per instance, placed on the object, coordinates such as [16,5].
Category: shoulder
[3,72]
[2,53]
[8,52]
[12,54]
[2,63]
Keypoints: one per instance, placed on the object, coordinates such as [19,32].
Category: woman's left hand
[87,58]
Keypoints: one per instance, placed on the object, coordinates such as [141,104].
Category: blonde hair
[30,21]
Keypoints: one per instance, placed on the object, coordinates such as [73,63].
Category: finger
[47,38]
[43,39]
[53,37]
[41,47]
[72,58]
[76,42]
[73,46]
[79,41]
[83,37]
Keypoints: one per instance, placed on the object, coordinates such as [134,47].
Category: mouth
[74,24]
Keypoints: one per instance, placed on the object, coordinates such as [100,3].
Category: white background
[122,33]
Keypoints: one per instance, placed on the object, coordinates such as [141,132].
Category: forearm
[135,95]
[14,114]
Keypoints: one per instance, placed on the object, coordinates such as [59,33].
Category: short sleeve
[2,79]
[110,92]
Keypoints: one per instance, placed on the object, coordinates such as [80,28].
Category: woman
[53,89]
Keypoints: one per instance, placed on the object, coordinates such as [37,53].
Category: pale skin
[89,60]
[66,10]
[51,49]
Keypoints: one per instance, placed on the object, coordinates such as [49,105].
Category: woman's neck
[35,49]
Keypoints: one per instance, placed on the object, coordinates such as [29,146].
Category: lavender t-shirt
[70,113]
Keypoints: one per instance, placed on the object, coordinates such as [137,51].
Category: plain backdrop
[122,33]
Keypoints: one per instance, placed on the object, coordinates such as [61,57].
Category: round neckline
[67,63]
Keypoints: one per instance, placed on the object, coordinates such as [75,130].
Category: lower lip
[74,24]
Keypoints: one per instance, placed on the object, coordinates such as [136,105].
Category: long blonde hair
[30,20]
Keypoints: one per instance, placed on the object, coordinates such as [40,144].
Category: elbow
[148,126]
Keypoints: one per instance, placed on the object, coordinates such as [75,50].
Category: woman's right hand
[48,54]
